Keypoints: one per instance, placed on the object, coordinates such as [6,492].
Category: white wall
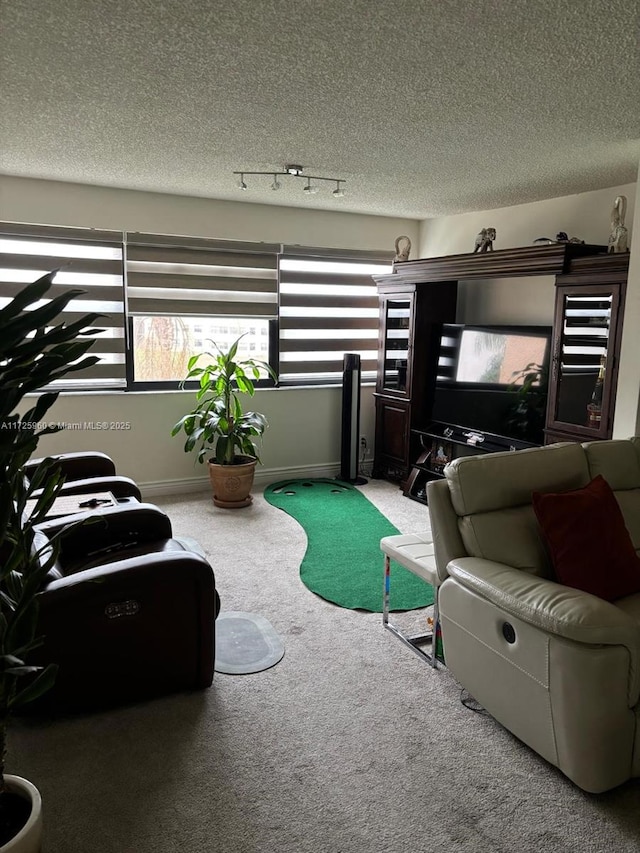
[526,299]
[530,300]
[626,421]
[57,203]
[303,435]
[304,430]
[585,215]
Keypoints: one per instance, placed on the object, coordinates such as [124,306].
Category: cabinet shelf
[441,443]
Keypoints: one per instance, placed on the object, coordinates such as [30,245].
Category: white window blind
[186,292]
[88,260]
[188,276]
[328,307]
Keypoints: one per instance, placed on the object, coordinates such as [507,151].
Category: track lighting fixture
[293,171]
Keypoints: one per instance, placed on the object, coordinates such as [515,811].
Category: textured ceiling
[425,107]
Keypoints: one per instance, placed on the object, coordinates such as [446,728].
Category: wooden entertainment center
[419,296]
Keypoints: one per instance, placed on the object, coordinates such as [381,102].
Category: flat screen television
[480,370]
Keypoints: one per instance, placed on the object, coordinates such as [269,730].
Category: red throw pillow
[588,541]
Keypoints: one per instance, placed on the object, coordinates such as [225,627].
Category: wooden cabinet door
[394,353]
[392,438]
[587,334]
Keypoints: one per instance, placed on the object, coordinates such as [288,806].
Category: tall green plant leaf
[35,349]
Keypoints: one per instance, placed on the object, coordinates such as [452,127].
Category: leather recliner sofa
[87,472]
[557,666]
[128,611]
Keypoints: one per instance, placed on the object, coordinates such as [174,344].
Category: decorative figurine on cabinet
[403,247]
[484,240]
[618,239]
[563,237]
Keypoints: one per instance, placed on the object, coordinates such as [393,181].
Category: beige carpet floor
[350,744]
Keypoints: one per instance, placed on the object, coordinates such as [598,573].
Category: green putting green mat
[343,562]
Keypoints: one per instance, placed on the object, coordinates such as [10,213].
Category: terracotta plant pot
[29,839]
[232,484]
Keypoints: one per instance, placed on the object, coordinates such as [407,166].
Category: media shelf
[439,443]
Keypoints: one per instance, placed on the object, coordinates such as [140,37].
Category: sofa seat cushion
[588,541]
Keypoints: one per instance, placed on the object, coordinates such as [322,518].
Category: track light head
[276,183]
[338,192]
[241,183]
[310,189]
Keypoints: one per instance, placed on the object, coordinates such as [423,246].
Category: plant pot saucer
[233,504]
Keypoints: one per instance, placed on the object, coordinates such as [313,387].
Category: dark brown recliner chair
[128,612]
[87,472]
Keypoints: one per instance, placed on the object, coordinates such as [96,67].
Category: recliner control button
[121,608]
[508,632]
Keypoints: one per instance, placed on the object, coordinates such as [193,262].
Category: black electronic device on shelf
[490,395]
[493,379]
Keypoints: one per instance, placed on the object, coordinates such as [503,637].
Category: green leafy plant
[526,415]
[35,349]
[217,425]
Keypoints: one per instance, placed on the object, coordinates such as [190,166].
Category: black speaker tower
[350,420]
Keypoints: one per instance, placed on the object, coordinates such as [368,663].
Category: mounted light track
[295,171]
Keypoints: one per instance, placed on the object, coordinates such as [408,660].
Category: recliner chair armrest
[76,466]
[550,606]
[120,487]
[91,532]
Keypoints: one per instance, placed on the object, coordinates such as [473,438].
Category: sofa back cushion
[618,461]
[491,495]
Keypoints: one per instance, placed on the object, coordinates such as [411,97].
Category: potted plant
[526,415]
[35,349]
[218,429]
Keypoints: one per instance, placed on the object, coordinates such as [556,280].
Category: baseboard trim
[264,476]
[274,475]
[183,486]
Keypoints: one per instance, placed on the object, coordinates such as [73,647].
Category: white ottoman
[412,551]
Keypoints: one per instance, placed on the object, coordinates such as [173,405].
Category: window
[183,292]
[163,345]
[164,298]
[87,259]
[328,307]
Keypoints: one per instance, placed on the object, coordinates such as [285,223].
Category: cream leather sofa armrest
[550,606]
